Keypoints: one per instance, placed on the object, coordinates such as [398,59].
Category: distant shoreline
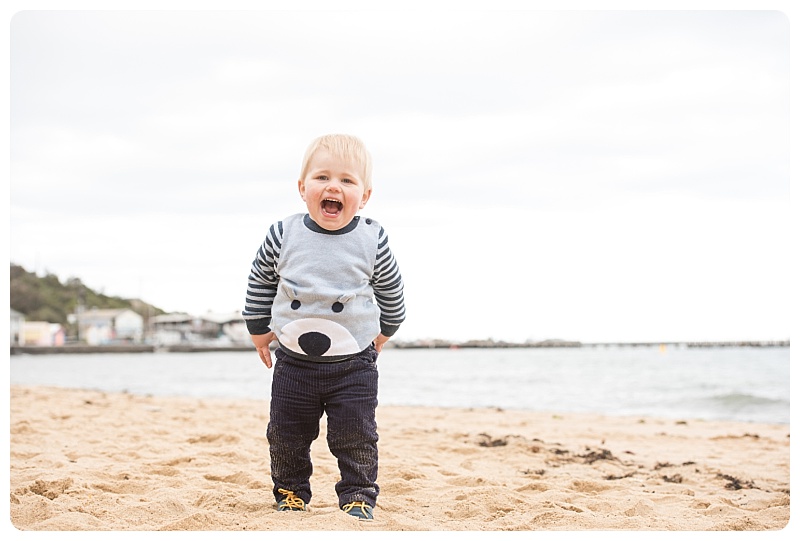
[437,344]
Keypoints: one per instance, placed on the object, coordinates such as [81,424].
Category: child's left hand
[379,341]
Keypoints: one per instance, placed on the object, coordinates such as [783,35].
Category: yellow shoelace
[365,509]
[291,501]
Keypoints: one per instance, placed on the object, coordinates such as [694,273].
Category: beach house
[96,327]
[42,333]
[17,320]
[171,329]
[210,328]
[225,328]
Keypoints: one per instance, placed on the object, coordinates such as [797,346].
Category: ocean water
[749,384]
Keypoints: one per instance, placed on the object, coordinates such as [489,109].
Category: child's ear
[365,198]
[301,187]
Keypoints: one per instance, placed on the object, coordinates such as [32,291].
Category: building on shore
[17,320]
[42,333]
[210,328]
[34,333]
[100,327]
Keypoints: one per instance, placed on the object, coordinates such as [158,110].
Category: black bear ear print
[338,306]
[292,294]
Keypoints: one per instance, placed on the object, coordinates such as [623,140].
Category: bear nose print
[295,304]
[314,343]
[337,307]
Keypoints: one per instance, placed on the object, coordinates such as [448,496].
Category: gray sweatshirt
[326,294]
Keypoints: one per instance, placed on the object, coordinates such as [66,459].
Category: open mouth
[331,207]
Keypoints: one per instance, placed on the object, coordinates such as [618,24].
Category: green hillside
[47,299]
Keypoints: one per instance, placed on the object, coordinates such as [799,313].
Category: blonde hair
[345,147]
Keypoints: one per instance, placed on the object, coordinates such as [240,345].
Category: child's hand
[262,342]
[379,341]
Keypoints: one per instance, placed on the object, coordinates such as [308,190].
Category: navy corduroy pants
[347,392]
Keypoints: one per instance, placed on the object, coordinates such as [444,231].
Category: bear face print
[318,337]
[313,327]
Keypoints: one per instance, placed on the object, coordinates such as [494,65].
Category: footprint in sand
[51,489]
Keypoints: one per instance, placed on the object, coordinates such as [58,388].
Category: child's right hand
[262,342]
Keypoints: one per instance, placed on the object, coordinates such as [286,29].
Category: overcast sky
[593,176]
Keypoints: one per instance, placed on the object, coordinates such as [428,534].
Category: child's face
[332,190]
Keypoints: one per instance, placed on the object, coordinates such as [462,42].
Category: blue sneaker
[358,509]
[291,502]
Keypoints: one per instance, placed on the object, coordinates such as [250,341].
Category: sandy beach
[94,461]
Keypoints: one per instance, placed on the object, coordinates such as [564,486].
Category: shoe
[290,502]
[358,509]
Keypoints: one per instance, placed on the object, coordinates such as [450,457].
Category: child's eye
[322,177]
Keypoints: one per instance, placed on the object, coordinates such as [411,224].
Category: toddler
[326,286]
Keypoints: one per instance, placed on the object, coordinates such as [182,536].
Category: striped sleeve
[387,285]
[262,284]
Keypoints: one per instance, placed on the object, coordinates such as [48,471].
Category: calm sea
[723,383]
